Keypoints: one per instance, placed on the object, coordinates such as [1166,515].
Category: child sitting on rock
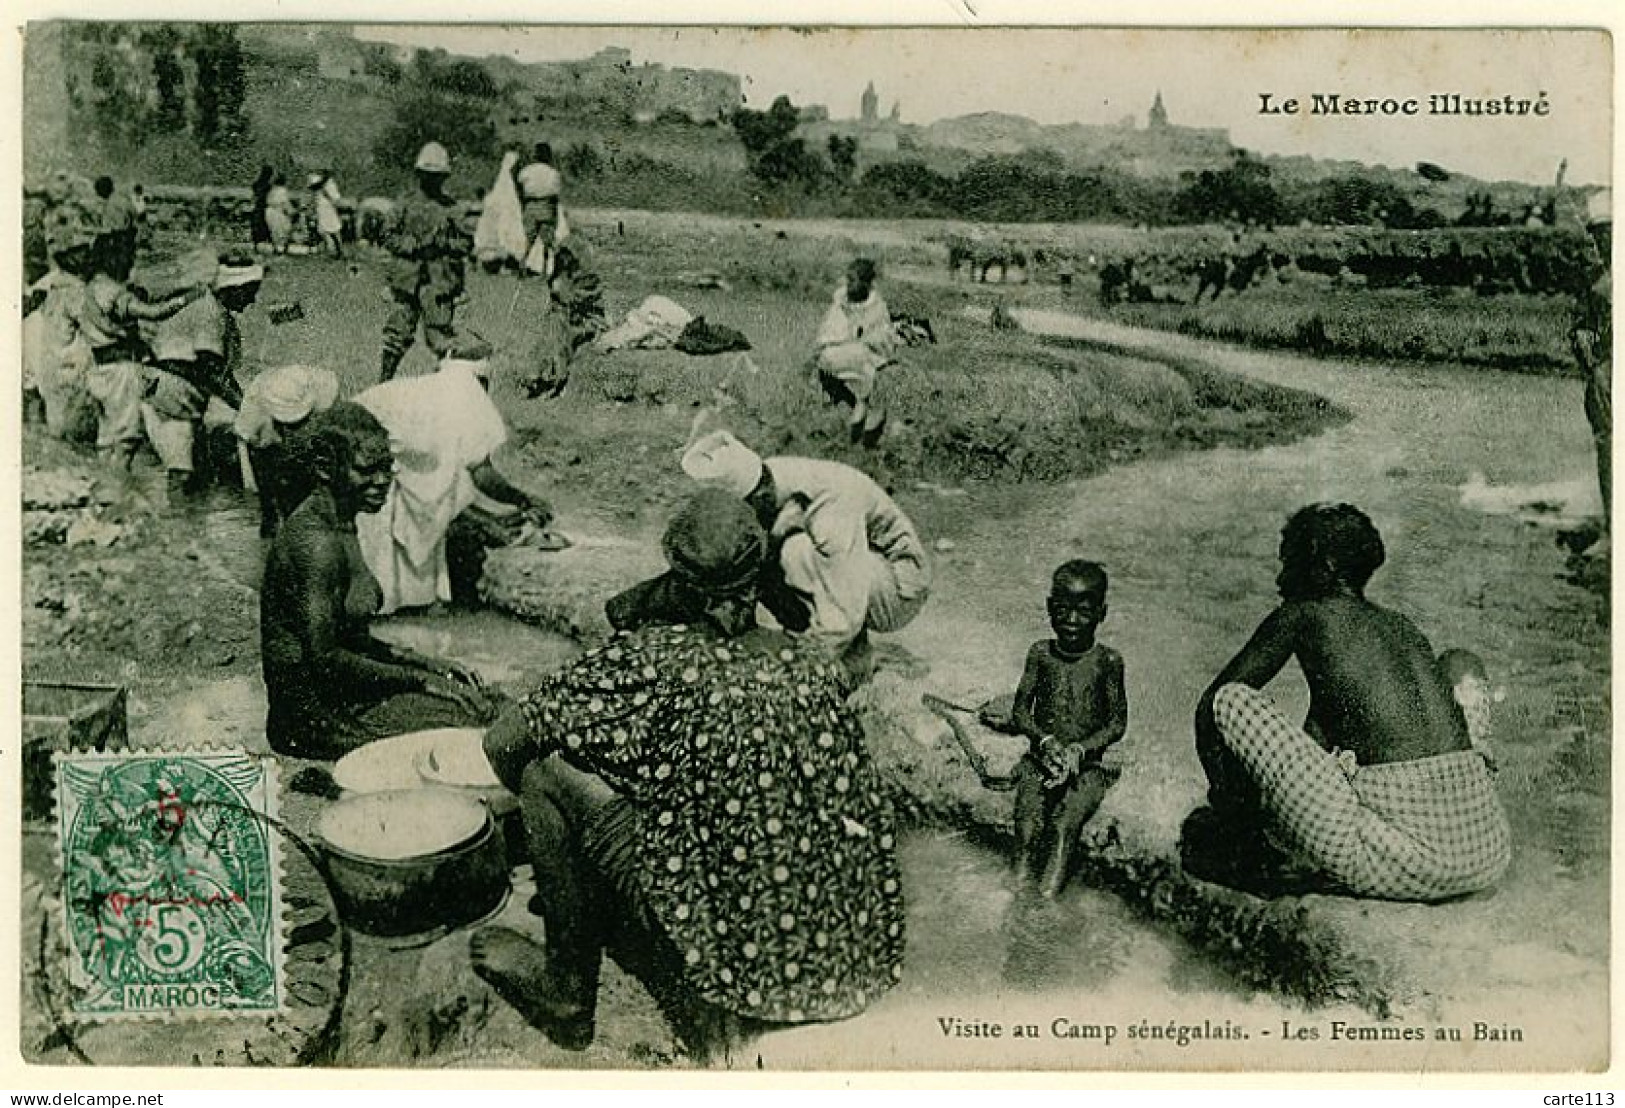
[1071,704]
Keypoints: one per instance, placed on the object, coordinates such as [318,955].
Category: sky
[1208,78]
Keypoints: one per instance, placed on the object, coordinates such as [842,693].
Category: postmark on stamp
[171,883]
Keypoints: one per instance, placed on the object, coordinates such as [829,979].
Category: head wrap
[284,395]
[718,460]
[715,543]
[236,275]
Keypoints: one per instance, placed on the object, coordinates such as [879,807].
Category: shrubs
[1527,334]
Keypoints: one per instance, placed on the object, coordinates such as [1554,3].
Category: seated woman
[443,429]
[700,796]
[331,686]
[1381,792]
[855,342]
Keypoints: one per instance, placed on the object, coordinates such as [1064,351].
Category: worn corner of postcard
[171,895]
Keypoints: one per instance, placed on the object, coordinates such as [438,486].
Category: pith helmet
[433,159]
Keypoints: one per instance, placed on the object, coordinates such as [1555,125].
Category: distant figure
[856,341]
[279,215]
[259,231]
[329,224]
[1380,793]
[118,219]
[541,189]
[1591,335]
[431,248]
[109,319]
[56,359]
[499,236]
[195,386]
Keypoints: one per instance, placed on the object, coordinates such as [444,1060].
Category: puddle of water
[1000,939]
[1561,503]
[504,651]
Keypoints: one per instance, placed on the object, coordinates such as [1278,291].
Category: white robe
[500,233]
[440,427]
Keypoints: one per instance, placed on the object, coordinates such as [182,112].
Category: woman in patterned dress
[699,798]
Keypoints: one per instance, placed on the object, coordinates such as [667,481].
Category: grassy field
[979,405]
[1526,334]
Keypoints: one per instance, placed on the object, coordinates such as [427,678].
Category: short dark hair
[544,153]
[337,435]
[1091,575]
[104,186]
[1340,536]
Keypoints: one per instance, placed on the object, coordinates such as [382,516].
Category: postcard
[636,547]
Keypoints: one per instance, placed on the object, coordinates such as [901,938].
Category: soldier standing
[431,247]
[1591,335]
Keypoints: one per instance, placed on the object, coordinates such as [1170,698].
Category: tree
[462,125]
[168,74]
[775,155]
[843,155]
[222,82]
[908,188]
[1242,191]
[581,160]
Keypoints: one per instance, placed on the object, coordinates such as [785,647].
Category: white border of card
[1553,1032]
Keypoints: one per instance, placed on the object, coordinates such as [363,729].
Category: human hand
[1060,761]
[461,674]
[537,512]
[466,697]
[791,518]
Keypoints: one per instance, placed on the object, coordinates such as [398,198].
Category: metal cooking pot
[408,861]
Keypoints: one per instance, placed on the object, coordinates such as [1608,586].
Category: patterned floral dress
[766,850]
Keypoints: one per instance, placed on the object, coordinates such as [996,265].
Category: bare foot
[516,967]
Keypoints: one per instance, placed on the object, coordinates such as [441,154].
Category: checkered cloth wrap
[1429,829]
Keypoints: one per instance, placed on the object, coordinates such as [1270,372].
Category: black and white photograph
[635,547]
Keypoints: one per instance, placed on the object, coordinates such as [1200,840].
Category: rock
[943,546]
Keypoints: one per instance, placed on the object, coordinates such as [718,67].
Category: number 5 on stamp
[171,883]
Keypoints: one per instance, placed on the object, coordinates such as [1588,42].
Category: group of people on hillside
[275,218]
[112,364]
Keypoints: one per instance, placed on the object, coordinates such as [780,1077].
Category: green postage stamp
[171,883]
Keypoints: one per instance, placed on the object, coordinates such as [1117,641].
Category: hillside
[639,135]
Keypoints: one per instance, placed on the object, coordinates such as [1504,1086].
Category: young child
[1071,704]
[1470,685]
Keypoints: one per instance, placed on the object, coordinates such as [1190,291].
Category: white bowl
[392,763]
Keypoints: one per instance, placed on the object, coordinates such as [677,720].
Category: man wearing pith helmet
[431,246]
